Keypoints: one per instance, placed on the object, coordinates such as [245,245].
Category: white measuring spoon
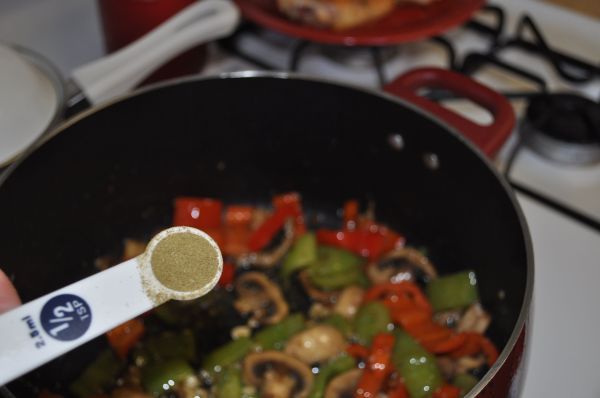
[45,328]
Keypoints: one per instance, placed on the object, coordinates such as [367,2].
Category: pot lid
[31,95]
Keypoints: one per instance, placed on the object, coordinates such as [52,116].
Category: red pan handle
[488,138]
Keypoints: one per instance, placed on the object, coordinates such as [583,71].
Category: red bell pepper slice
[293,200]
[238,215]
[401,294]
[351,215]
[379,366]
[446,391]
[263,234]
[227,275]
[123,337]
[398,391]
[475,343]
[237,230]
[369,242]
[357,351]
[201,213]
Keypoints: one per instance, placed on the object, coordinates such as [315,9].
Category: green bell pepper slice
[160,377]
[169,345]
[227,354]
[328,371]
[417,366]
[98,375]
[274,337]
[229,383]
[336,268]
[301,255]
[465,382]
[453,291]
[371,318]
[342,324]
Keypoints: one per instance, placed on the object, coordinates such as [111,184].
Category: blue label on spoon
[66,317]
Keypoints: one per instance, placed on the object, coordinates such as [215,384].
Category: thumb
[9,298]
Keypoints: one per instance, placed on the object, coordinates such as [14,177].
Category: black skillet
[113,171]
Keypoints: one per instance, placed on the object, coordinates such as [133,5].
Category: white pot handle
[119,72]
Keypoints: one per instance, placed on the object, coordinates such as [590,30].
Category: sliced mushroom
[268,259]
[318,311]
[450,367]
[316,344]
[400,264]
[475,319]
[277,375]
[349,301]
[465,364]
[321,296]
[261,298]
[344,385]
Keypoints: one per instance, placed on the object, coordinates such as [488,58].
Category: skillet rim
[526,236]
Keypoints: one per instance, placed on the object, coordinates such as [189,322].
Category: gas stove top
[561,202]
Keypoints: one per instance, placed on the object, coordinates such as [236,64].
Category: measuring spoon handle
[45,328]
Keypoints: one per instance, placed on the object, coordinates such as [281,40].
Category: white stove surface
[564,355]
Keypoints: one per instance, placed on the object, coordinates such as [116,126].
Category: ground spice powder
[184,262]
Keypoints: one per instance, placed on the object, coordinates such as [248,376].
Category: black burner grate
[492,31]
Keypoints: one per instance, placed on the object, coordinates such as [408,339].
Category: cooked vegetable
[453,291]
[237,230]
[169,345]
[417,366]
[278,375]
[260,297]
[98,375]
[401,264]
[301,255]
[475,344]
[372,318]
[465,382]
[201,213]
[162,376]
[342,324]
[227,275]
[378,366]
[349,301]
[328,371]
[336,268]
[230,383]
[274,337]
[316,344]
[343,385]
[294,201]
[267,231]
[475,319]
[123,337]
[447,391]
[227,354]
[369,240]
[272,257]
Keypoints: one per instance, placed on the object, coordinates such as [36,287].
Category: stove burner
[563,127]
[492,30]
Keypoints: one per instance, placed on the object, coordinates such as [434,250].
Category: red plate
[406,23]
